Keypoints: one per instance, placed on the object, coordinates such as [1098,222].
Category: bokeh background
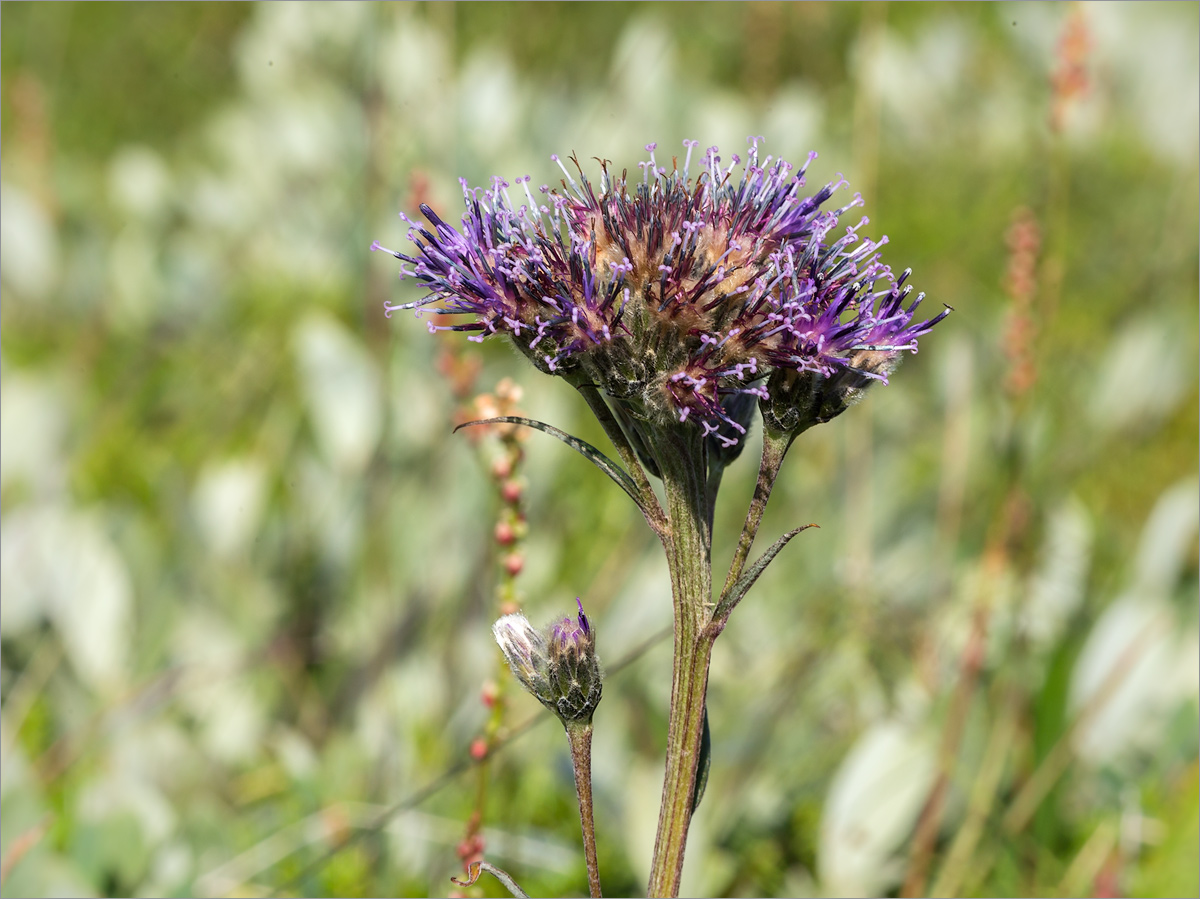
[249,573]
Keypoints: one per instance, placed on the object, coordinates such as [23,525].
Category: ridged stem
[687,540]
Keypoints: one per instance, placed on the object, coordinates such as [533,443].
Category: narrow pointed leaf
[585,449]
[750,575]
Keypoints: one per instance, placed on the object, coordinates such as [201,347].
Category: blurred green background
[248,573]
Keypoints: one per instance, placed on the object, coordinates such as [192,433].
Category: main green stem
[688,543]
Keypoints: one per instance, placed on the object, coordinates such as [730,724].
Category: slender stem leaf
[585,449]
[734,594]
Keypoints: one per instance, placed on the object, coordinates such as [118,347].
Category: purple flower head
[675,290]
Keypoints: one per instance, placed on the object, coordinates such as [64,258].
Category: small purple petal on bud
[571,637]
[583,620]
[574,670]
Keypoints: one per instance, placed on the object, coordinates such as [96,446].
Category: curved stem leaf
[618,474]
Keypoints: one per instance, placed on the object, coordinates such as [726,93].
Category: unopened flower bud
[558,665]
[574,669]
[511,491]
[800,400]
[513,563]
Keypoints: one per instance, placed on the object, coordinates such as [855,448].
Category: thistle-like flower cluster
[684,295]
[558,664]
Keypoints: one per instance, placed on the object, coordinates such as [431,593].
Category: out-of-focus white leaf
[1153,60]
[916,80]
[872,805]
[415,65]
[493,108]
[230,713]
[645,54]
[228,501]
[30,244]
[952,627]
[1136,666]
[794,117]
[342,388]
[331,510]
[107,796]
[1057,588]
[1187,666]
[139,182]
[296,753]
[173,864]
[203,642]
[1141,377]
[33,424]
[723,114]
[416,415]
[305,131]
[234,720]
[400,700]
[133,271]
[59,564]
[159,753]
[1124,680]
[268,52]
[1169,535]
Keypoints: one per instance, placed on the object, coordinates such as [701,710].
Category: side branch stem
[775,447]
[580,737]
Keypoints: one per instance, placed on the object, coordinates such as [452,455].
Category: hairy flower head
[676,291]
[558,664]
